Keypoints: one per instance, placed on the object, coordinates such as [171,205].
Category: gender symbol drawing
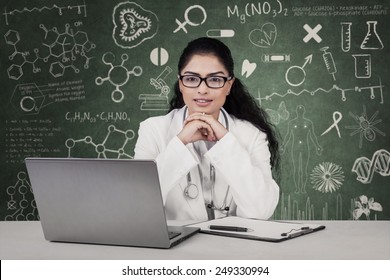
[133,25]
[301,133]
[182,25]
[295,75]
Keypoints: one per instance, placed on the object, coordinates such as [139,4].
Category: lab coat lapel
[176,124]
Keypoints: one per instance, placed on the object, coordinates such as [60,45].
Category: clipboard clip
[297,232]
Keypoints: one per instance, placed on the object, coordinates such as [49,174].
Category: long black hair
[239,102]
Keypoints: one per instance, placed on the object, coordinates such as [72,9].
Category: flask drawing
[372,41]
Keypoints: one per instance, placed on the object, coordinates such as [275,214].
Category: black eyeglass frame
[225,79]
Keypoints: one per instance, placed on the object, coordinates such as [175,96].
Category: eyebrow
[208,75]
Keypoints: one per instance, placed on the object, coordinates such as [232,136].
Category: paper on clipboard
[272,231]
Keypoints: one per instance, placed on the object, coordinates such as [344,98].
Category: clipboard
[261,230]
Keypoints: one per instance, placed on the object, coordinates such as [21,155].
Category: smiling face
[203,99]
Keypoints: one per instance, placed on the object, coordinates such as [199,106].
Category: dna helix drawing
[365,168]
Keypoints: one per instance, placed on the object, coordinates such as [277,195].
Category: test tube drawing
[362,65]
[329,62]
[346,36]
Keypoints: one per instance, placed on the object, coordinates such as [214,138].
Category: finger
[197,116]
[209,133]
[207,136]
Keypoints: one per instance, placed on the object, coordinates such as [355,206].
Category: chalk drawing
[300,134]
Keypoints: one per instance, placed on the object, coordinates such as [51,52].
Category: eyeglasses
[192,81]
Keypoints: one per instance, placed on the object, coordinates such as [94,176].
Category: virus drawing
[133,25]
[365,126]
[327,177]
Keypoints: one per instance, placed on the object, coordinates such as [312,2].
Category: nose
[203,88]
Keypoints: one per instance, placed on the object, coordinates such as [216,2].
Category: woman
[214,149]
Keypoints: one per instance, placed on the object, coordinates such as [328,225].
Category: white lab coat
[241,160]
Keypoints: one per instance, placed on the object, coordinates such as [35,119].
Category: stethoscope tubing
[192,191]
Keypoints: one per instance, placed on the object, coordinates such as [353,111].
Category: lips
[202,101]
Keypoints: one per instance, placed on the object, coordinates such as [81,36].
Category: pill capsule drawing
[220,33]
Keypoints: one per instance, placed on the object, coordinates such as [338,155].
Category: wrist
[181,138]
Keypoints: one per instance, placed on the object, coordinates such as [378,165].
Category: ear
[230,84]
[180,85]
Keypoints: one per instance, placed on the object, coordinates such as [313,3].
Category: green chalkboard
[78,76]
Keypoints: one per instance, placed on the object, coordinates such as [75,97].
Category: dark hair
[239,102]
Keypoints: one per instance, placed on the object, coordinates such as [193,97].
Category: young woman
[214,149]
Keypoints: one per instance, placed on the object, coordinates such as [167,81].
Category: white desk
[340,240]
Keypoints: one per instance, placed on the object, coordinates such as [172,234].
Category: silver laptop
[102,201]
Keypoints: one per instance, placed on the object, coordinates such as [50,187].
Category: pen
[228,228]
[299,233]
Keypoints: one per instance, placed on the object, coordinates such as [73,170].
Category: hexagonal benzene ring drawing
[65,47]
[27,98]
[113,146]
[23,210]
[133,24]
[12,37]
[118,75]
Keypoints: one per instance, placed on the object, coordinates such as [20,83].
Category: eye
[191,78]
[215,79]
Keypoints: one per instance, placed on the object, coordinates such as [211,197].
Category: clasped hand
[200,126]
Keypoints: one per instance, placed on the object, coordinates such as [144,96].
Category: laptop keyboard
[173,234]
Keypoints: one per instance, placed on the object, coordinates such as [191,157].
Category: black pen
[299,233]
[228,228]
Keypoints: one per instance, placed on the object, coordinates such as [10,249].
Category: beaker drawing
[346,36]
[362,65]
[372,41]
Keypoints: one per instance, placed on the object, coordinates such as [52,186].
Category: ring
[203,114]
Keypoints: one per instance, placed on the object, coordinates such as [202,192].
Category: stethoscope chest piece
[191,191]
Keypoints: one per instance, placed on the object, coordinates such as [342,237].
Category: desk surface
[340,240]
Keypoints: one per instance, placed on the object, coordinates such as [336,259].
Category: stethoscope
[191,191]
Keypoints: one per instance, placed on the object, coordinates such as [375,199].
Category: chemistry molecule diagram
[118,75]
[103,149]
[64,48]
[23,210]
